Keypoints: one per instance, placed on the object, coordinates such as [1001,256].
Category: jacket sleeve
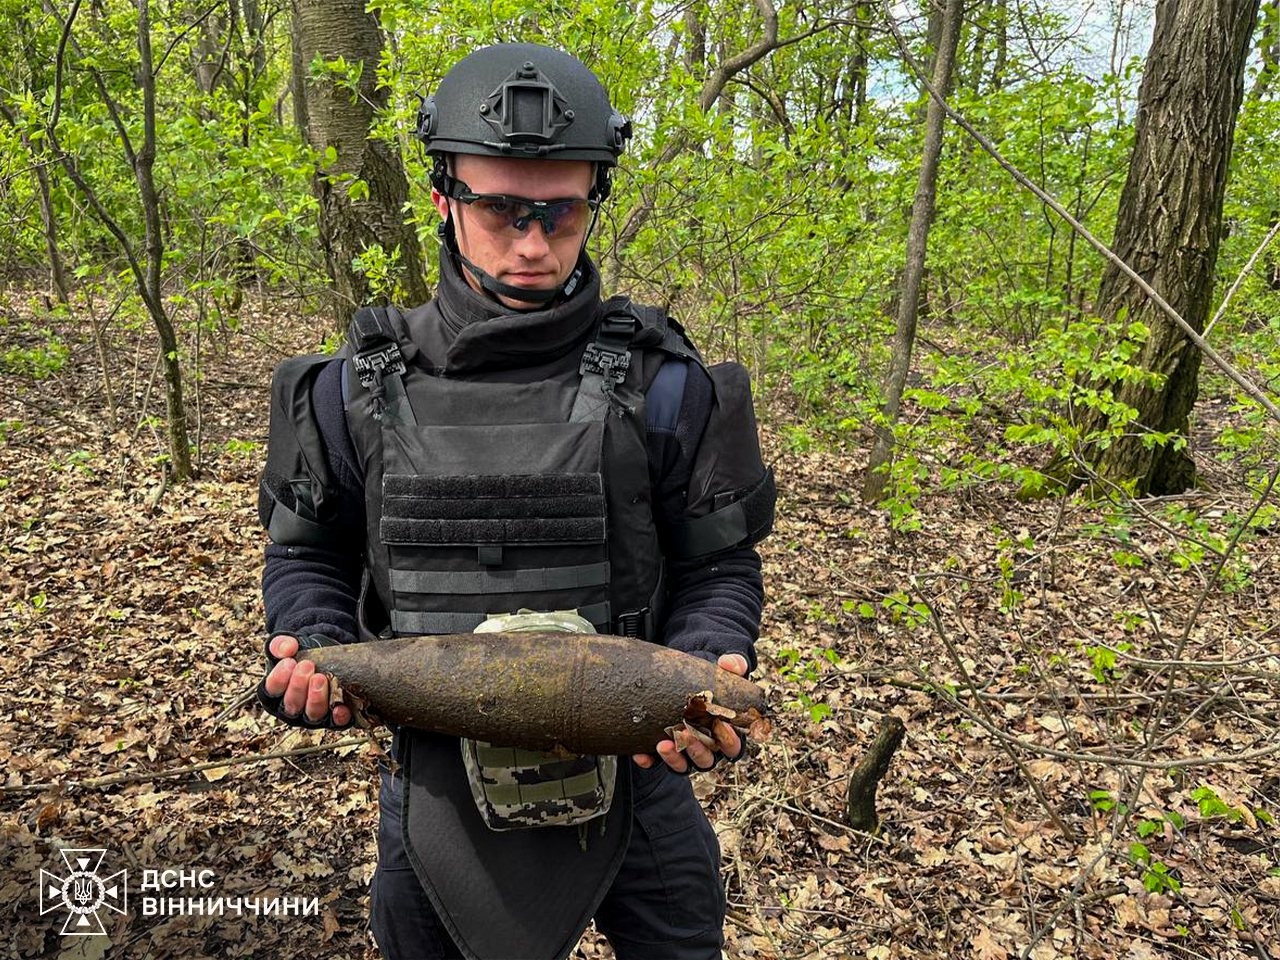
[715,594]
[311,585]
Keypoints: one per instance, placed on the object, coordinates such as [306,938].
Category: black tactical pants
[666,903]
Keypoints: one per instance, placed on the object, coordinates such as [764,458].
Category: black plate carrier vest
[489,497]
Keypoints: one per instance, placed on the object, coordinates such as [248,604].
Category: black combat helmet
[528,101]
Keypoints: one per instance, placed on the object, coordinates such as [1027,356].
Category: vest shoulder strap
[373,337]
[658,332]
[604,365]
[626,328]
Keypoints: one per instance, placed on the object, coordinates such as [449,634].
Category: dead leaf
[984,945]
[330,924]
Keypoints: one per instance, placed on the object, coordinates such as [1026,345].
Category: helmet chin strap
[497,288]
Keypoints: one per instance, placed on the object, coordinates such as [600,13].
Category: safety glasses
[504,214]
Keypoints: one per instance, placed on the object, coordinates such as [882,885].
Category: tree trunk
[48,218]
[254,27]
[340,117]
[862,14]
[972,57]
[1168,229]
[148,271]
[153,293]
[298,75]
[207,53]
[917,243]
[695,50]
[1001,15]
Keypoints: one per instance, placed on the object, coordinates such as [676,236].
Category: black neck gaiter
[472,332]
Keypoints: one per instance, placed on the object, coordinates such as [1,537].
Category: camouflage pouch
[517,789]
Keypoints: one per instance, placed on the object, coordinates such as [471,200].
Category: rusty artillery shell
[560,692]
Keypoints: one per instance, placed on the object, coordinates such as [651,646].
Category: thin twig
[1248,268]
[988,721]
[237,703]
[115,779]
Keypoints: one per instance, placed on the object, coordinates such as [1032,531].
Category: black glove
[275,705]
[691,768]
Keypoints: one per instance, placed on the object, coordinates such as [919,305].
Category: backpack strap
[379,363]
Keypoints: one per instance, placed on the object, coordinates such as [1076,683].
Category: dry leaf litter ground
[1005,635]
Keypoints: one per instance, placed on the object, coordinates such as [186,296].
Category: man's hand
[697,755]
[303,690]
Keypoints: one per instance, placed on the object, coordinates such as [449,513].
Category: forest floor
[1089,769]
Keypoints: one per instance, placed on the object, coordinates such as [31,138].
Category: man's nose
[533,241]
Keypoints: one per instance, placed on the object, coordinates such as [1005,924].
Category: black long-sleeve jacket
[714,604]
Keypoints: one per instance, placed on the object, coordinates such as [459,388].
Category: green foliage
[43,358]
[1157,877]
[1212,806]
[1160,830]
[807,673]
[913,614]
[772,219]
[248,449]
[381,269]
[1104,661]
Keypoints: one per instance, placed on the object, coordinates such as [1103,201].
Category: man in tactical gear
[518,444]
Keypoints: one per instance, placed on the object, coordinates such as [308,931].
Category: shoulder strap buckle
[607,364]
[609,355]
[374,363]
[376,356]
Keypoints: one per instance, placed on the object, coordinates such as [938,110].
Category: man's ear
[441,202]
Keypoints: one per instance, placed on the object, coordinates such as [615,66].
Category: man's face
[525,258]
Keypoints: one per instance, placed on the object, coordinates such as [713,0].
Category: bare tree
[917,244]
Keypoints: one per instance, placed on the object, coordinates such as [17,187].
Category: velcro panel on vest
[481,519]
[474,486]
[501,581]
[397,532]
[565,508]
[731,492]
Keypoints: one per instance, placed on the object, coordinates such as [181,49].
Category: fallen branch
[115,779]
[1109,759]
[245,697]
[869,771]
